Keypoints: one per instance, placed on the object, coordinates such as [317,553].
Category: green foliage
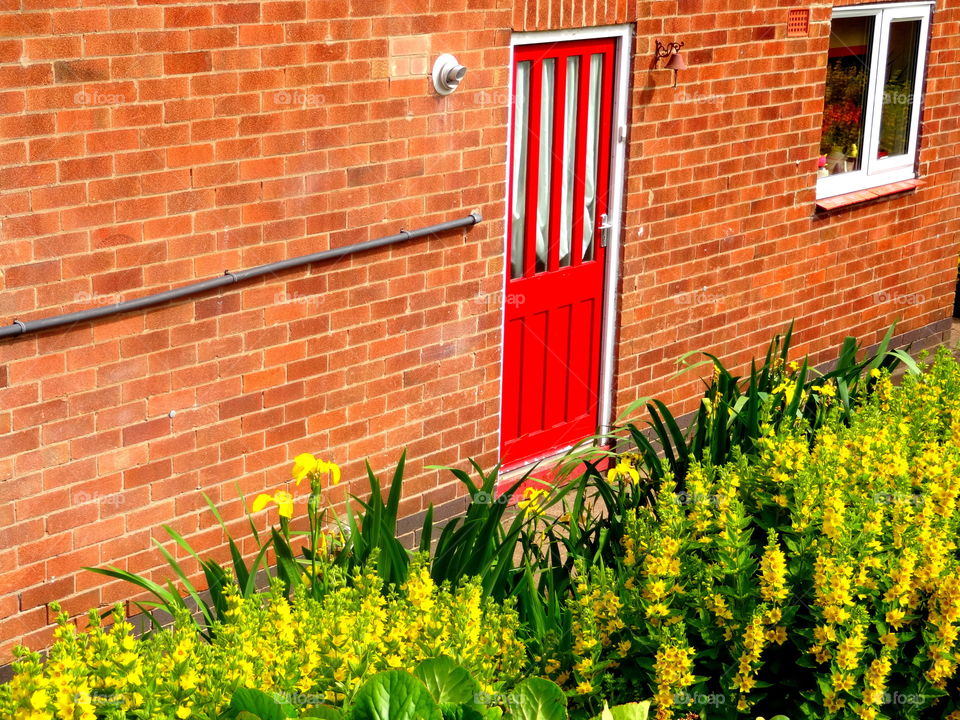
[394,695]
[248,703]
[727,421]
[697,566]
[169,597]
[300,652]
[814,578]
[538,699]
[448,683]
[630,711]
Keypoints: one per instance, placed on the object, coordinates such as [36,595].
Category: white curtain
[569,157]
[548,83]
[593,141]
[520,122]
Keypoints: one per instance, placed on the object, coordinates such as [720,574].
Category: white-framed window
[872,98]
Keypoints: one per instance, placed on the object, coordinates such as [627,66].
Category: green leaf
[538,699]
[630,711]
[324,712]
[448,682]
[426,535]
[394,695]
[258,704]
[461,712]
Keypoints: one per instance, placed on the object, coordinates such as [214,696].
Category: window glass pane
[898,88]
[569,157]
[546,161]
[593,141]
[518,201]
[845,97]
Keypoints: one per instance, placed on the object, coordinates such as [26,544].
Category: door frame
[623,34]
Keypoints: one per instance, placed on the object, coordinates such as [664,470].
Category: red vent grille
[798,23]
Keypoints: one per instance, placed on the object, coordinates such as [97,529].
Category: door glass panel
[845,96]
[901,72]
[590,167]
[519,200]
[571,95]
[548,82]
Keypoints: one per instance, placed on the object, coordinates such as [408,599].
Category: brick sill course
[861,196]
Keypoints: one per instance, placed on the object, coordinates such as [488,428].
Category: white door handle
[603,227]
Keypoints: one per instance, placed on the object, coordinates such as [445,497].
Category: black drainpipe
[228,278]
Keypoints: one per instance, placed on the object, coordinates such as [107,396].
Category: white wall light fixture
[447,74]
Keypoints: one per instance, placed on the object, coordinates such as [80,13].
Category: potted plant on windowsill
[851,161]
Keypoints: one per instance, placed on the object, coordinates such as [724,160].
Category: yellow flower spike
[303,465]
[282,499]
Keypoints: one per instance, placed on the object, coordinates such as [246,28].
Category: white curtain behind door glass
[548,81]
[569,157]
[520,121]
[593,141]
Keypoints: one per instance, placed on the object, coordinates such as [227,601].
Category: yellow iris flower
[532,499]
[282,499]
[624,470]
[305,463]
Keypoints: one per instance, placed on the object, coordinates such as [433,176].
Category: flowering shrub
[314,651]
[820,578]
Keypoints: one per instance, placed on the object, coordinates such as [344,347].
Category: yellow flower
[282,499]
[306,464]
[331,469]
[773,567]
[826,390]
[895,618]
[531,502]
[39,699]
[303,465]
[624,470]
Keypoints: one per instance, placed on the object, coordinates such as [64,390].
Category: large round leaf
[448,683]
[630,711]
[259,704]
[394,695]
[324,712]
[538,699]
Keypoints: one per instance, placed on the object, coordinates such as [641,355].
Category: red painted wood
[552,332]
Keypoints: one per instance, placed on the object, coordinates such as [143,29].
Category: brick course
[144,147]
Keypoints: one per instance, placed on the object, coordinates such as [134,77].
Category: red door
[560,166]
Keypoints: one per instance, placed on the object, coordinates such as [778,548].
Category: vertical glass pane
[519,171]
[590,168]
[548,81]
[845,97]
[569,157]
[898,88]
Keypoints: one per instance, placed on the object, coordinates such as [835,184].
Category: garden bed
[794,551]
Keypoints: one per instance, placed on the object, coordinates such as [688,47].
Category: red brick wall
[145,146]
[722,246]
